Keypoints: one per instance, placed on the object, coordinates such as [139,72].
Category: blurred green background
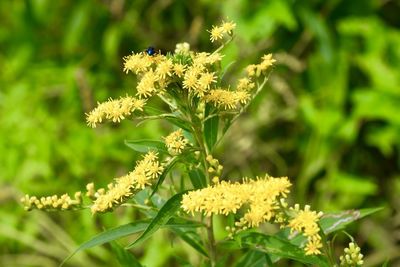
[329,117]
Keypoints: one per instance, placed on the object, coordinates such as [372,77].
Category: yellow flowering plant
[201,108]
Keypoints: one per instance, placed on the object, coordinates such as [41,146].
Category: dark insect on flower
[150,51]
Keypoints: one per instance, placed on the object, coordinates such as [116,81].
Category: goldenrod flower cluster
[147,170]
[255,70]
[114,110]
[222,30]
[227,99]
[352,256]
[176,142]
[196,74]
[54,202]
[259,195]
[306,222]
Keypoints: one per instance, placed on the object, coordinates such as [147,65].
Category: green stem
[211,240]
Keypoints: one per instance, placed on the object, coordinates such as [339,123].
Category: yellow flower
[306,221]
[267,61]
[137,63]
[179,69]
[227,99]
[190,79]
[260,195]
[176,142]
[114,110]
[251,70]
[228,27]
[216,33]
[313,245]
[147,84]
[164,69]
[256,70]
[147,170]
[245,84]
[206,79]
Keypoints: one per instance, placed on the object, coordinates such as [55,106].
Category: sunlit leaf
[332,222]
[146,145]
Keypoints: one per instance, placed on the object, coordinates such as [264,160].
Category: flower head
[306,221]
[227,99]
[261,195]
[176,142]
[220,31]
[114,110]
[146,170]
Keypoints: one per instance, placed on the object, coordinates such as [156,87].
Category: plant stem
[198,134]
[211,240]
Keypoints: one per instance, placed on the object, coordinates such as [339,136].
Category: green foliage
[329,119]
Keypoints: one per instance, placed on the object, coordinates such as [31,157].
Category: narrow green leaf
[162,217]
[332,222]
[171,117]
[192,238]
[179,122]
[124,257]
[128,229]
[145,145]
[210,129]
[166,170]
[110,235]
[197,178]
[254,258]
[274,246]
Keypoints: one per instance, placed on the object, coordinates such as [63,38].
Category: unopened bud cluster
[63,202]
[215,168]
[352,256]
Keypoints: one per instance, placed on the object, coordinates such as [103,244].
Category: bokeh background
[329,117]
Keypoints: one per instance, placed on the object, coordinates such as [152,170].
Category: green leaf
[254,258]
[332,222]
[192,238]
[166,170]
[197,178]
[171,117]
[162,218]
[110,235]
[274,246]
[124,257]
[145,145]
[210,129]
